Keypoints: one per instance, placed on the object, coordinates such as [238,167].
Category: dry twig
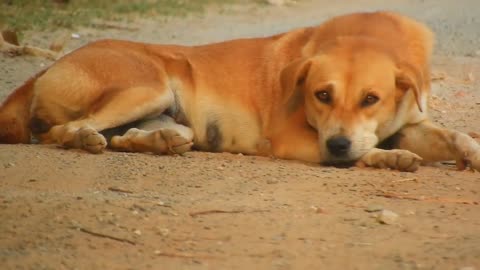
[404,180]
[12,49]
[106,236]
[115,189]
[392,195]
[110,25]
[182,255]
[216,211]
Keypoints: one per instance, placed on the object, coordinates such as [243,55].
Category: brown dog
[325,94]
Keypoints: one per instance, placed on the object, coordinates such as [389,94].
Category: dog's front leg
[434,143]
[296,144]
[396,159]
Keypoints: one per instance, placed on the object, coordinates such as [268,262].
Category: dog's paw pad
[91,140]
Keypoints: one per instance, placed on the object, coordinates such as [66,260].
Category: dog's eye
[369,100]
[323,96]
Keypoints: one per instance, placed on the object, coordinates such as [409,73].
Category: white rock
[272,181]
[387,217]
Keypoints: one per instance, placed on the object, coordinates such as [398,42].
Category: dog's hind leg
[160,135]
[434,143]
[117,108]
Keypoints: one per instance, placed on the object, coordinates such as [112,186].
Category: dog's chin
[342,162]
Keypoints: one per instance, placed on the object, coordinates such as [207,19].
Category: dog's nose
[338,145]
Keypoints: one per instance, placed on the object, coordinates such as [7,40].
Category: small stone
[387,217]
[409,212]
[75,36]
[272,181]
[137,232]
[163,231]
[9,165]
[374,208]
[318,210]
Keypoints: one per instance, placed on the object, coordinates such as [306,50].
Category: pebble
[137,232]
[387,217]
[318,210]
[163,231]
[9,165]
[272,181]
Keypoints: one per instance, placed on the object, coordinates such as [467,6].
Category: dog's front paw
[397,159]
[91,140]
[475,161]
[161,141]
[175,142]
[468,152]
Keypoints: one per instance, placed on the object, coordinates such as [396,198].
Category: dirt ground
[66,209]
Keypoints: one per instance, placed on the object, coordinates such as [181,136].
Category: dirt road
[65,209]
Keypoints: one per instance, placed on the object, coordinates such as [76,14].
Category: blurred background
[455,22]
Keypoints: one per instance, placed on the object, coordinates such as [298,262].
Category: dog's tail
[15,113]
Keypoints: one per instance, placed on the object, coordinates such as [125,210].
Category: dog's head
[355,93]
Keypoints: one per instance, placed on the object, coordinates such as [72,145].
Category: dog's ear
[292,78]
[407,78]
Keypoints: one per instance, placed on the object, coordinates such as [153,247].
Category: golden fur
[329,93]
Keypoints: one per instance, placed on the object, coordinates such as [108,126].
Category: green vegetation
[52,14]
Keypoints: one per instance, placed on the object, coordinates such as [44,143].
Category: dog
[330,94]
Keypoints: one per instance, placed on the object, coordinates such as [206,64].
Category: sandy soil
[64,209]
